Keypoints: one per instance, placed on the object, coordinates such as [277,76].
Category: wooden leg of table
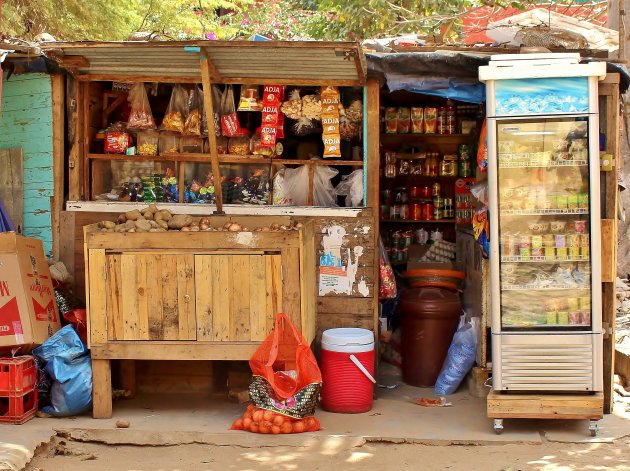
[101,389]
[128,376]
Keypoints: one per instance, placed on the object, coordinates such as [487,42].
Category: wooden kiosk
[208,296]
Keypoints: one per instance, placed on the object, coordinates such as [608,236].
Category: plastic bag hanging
[323,190]
[351,186]
[192,125]
[140,116]
[176,111]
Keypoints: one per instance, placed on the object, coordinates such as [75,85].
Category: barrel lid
[348,336]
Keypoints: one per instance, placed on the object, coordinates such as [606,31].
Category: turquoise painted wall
[26,122]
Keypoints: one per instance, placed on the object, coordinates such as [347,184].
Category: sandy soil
[72,456]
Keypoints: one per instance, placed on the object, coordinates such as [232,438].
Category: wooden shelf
[413,221]
[224,159]
[428,138]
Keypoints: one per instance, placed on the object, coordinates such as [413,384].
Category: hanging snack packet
[140,116]
[330,101]
[332,146]
[293,107]
[176,110]
[230,125]
[330,113]
[250,99]
[216,106]
[192,126]
[273,95]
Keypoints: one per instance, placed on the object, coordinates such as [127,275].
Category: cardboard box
[28,311]
[415,252]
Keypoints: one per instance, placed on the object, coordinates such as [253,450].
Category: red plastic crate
[17,375]
[18,408]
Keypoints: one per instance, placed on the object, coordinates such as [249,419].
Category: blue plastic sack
[459,359]
[68,363]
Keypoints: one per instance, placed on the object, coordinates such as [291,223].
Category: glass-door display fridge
[543,172]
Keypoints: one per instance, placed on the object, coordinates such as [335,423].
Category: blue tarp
[445,74]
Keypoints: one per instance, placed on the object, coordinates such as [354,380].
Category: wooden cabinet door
[150,297]
[237,296]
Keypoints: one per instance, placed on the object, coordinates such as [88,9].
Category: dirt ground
[64,455]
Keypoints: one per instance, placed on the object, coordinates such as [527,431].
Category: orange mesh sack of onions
[285,386]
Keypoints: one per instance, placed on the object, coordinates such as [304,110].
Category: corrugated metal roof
[283,62]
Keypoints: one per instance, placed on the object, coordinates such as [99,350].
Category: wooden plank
[222,291]
[307,282]
[169,297]
[206,74]
[174,350]
[291,285]
[609,265]
[257,297]
[239,300]
[129,297]
[75,139]
[115,323]
[97,303]
[273,291]
[11,186]
[539,406]
[185,297]
[155,300]
[85,131]
[142,296]
[205,281]
[58,84]
[101,389]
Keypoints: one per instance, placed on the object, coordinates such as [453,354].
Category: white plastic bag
[296,186]
[323,190]
[460,357]
[351,186]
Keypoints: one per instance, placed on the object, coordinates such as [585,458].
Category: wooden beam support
[58,116]
[215,76]
[74,62]
[206,73]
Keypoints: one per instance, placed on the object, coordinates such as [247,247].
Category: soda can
[583,200]
[585,318]
[562,202]
[574,318]
[552,317]
[572,201]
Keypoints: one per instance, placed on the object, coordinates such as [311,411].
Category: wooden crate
[193,295]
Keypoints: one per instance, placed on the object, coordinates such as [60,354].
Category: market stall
[264,146]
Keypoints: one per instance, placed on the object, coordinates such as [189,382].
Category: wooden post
[206,72]
[58,110]
[85,135]
[373,90]
[101,389]
[610,124]
[75,139]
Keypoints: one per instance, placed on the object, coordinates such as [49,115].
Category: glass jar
[169,142]
[448,166]
[147,142]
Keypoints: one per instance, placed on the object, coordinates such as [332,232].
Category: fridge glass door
[543,188]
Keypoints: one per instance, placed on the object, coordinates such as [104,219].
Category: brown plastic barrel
[429,320]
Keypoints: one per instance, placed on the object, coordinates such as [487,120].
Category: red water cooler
[347,365]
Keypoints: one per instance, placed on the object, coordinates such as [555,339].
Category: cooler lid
[348,336]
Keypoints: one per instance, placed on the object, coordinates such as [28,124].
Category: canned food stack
[560,244]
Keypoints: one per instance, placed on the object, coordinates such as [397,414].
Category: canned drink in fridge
[585,251]
[537,242]
[585,303]
[583,200]
[550,253]
[584,240]
[585,318]
[572,201]
[538,252]
[561,253]
[575,252]
[551,317]
[562,202]
[574,318]
[563,318]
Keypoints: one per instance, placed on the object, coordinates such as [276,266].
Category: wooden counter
[193,295]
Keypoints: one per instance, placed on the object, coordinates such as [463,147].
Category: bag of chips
[140,116]
[230,125]
[192,125]
[176,111]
